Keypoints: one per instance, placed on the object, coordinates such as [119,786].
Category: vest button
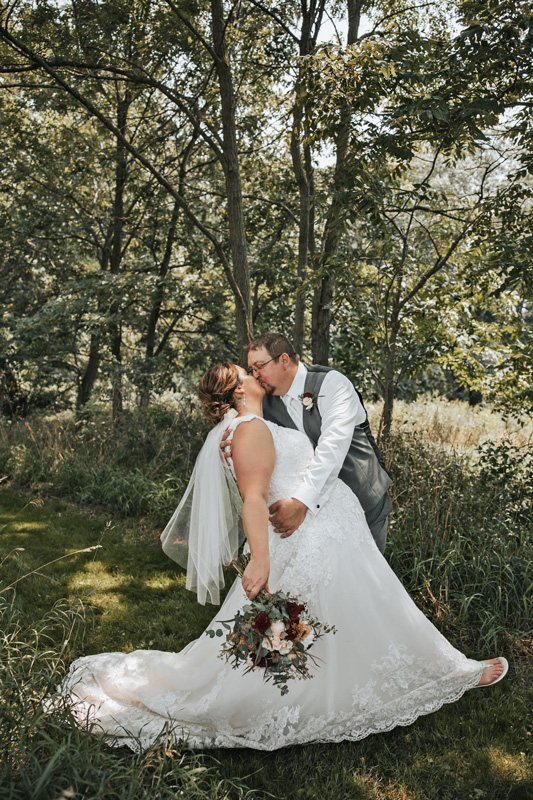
[318,506]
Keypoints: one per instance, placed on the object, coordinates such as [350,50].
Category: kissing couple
[291,471]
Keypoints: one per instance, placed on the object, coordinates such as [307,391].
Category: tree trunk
[311,182]
[389,382]
[115,326]
[301,174]
[155,311]
[389,391]
[237,234]
[14,402]
[303,232]
[157,297]
[116,374]
[320,327]
[323,294]
[86,384]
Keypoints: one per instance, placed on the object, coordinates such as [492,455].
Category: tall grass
[460,539]
[139,467]
[48,755]
[457,537]
[134,469]
[454,422]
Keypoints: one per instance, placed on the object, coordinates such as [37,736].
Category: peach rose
[274,641]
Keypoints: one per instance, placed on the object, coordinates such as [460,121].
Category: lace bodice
[294,452]
[302,563]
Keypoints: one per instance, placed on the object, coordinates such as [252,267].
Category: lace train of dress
[386,666]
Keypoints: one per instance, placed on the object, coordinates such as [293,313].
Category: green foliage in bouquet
[273,633]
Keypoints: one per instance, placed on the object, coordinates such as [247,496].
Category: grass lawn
[479,747]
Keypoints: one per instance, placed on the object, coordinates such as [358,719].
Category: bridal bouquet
[273,633]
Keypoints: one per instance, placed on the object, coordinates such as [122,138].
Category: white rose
[271,643]
[307,401]
[277,627]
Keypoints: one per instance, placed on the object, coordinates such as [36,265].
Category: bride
[386,665]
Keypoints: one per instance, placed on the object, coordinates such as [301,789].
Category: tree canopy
[181,174]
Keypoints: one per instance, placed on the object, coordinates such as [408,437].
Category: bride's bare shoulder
[253,450]
[252,432]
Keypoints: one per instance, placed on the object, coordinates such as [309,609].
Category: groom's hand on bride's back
[287,515]
[225,447]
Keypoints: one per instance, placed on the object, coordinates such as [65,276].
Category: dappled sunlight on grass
[28,528]
[164,582]
[514,767]
[138,591]
[98,574]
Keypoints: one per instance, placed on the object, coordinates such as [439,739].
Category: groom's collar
[297,386]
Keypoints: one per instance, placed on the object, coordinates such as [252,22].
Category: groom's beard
[268,388]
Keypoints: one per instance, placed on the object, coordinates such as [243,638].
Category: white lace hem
[315,730]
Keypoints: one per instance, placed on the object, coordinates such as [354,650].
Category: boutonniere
[309,400]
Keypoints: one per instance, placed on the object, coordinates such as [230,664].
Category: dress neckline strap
[245,418]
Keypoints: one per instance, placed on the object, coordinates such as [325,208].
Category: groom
[323,404]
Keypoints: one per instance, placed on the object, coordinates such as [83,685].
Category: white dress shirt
[341,410]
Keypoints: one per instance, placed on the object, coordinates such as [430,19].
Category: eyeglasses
[260,366]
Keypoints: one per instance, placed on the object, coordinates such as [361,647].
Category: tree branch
[145,79]
[188,24]
[270,13]
[95,112]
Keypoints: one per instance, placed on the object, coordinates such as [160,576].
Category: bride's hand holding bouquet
[255,576]
[273,633]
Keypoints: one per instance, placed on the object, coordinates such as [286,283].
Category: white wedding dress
[386,665]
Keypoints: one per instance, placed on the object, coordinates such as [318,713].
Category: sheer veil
[206,530]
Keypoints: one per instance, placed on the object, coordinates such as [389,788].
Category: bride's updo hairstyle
[215,390]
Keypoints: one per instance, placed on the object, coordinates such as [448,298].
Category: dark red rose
[294,610]
[262,622]
[265,661]
[307,394]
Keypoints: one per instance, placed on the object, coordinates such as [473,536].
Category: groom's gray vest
[363,469]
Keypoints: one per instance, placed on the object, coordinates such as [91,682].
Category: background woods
[179,175]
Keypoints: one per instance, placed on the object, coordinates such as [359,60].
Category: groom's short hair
[275,344]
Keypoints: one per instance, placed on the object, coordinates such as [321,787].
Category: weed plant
[460,539]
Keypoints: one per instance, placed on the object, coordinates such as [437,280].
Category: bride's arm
[253,460]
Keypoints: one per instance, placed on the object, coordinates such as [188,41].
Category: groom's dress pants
[377,520]
[379,532]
